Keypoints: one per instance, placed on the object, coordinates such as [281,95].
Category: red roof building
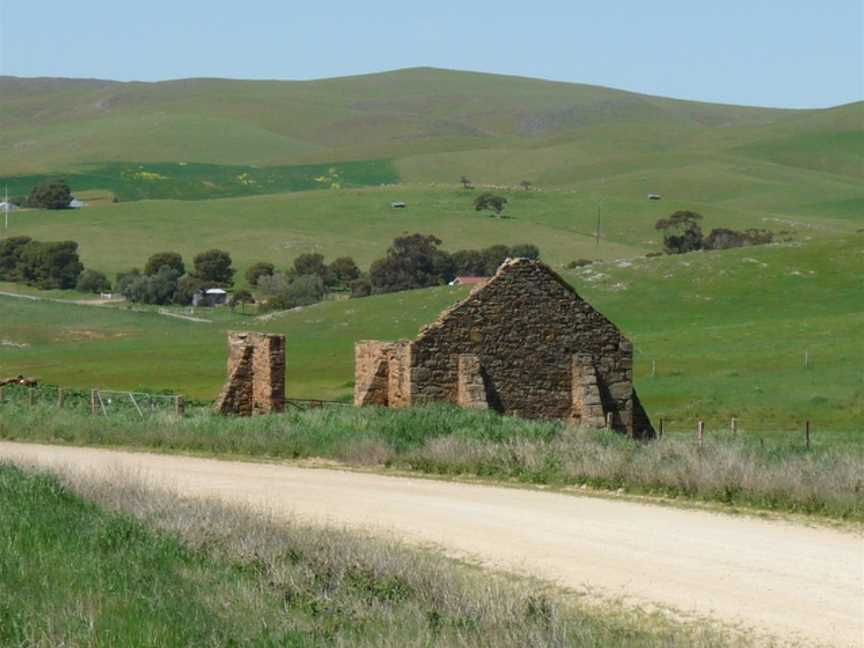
[470,281]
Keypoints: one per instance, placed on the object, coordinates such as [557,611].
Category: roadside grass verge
[738,471]
[116,562]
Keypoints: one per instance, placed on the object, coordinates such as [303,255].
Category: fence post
[660,434]
[179,406]
[807,434]
[734,425]
[609,420]
[60,397]
[700,433]
[2,396]
[31,398]
[93,402]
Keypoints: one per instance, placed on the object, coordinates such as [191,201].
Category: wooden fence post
[2,396]
[60,397]
[700,433]
[179,406]
[93,409]
[660,433]
[609,420]
[807,434]
[734,425]
[31,398]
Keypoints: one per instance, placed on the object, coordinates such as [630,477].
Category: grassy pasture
[727,331]
[360,222]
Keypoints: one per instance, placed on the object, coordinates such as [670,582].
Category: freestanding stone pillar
[256,375]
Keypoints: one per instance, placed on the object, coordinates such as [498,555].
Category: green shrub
[93,281]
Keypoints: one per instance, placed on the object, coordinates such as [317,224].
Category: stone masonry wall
[530,344]
[256,375]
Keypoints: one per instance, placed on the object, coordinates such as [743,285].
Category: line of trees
[412,261]
[417,261]
[165,279]
[306,282]
[43,264]
[682,233]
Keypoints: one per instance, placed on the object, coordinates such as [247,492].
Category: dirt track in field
[791,581]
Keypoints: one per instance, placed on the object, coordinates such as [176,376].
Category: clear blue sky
[792,53]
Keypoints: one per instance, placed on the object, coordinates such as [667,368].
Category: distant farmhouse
[210,297]
[523,344]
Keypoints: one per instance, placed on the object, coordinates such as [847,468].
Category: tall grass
[738,471]
[143,567]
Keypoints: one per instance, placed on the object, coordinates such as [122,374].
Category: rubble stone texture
[256,375]
[525,344]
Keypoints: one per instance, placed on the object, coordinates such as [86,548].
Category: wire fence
[112,402]
[99,402]
[135,404]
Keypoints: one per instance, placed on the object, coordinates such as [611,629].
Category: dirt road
[791,581]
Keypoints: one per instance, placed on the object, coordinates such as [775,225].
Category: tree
[162,286]
[525,251]
[125,280]
[279,291]
[213,267]
[469,263]
[526,185]
[494,256]
[310,264]
[360,288]
[92,281]
[50,265]
[681,232]
[171,259]
[149,289]
[258,270]
[11,250]
[241,298]
[412,261]
[187,286]
[343,271]
[490,202]
[723,238]
[466,182]
[52,194]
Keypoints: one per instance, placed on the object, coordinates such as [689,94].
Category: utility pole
[597,235]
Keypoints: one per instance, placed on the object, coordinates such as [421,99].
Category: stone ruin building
[524,344]
[256,375]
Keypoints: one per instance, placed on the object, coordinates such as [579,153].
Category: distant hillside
[50,124]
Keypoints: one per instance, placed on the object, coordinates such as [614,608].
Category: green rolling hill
[271,169]
[409,115]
